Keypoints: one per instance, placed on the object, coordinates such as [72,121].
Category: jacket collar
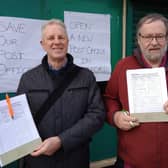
[46,65]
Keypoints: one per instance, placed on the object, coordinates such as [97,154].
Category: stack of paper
[19,135]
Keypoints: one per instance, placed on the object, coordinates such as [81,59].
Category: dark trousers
[119,163]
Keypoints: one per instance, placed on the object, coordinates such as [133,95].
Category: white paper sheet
[89,41]
[147,91]
[20,49]
[16,133]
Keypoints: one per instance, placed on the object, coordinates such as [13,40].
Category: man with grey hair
[140,145]
[65,102]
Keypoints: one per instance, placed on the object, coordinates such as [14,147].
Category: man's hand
[124,121]
[165,106]
[48,147]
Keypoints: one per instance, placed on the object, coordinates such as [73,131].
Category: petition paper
[18,133]
[147,91]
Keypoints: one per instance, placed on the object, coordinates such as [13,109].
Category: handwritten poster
[20,49]
[89,41]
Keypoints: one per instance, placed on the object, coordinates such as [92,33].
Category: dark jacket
[74,117]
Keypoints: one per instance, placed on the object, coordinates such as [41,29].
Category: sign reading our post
[20,49]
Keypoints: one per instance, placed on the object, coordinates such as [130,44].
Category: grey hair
[53,22]
[151,18]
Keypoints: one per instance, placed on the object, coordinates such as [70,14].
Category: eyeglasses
[149,38]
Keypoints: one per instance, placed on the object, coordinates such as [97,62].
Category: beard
[155,57]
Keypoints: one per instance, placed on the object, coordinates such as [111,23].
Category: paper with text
[19,135]
[20,49]
[147,90]
[89,41]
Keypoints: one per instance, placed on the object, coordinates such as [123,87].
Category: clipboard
[151,117]
[19,135]
[147,92]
